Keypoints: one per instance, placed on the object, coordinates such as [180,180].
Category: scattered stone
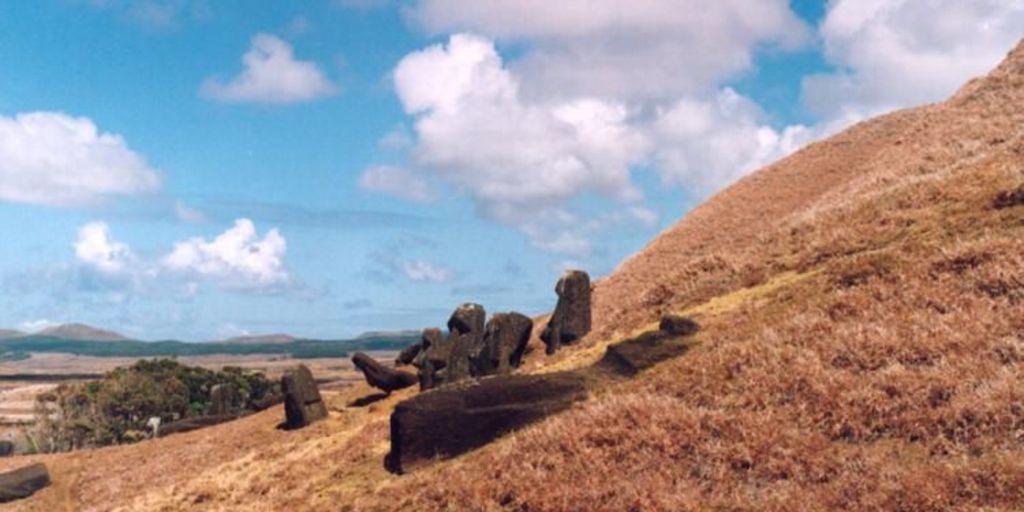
[505,339]
[381,377]
[194,423]
[302,402]
[1009,198]
[456,419]
[432,359]
[23,482]
[465,340]
[633,356]
[571,319]
[678,325]
[409,354]
[6,448]
[222,399]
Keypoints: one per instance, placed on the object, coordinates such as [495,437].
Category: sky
[200,169]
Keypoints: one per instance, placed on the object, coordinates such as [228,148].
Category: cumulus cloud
[519,160]
[96,248]
[52,159]
[237,258]
[650,49]
[37,325]
[707,144]
[423,271]
[897,53]
[397,182]
[271,74]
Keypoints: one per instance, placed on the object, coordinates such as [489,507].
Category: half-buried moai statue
[505,339]
[432,359]
[466,337]
[380,376]
[222,399]
[302,402]
[571,319]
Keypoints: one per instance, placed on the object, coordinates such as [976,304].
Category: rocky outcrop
[302,402]
[23,482]
[571,318]
[432,359]
[380,376]
[465,340]
[458,418]
[222,399]
[505,339]
[409,354]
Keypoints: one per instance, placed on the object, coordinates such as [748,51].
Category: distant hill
[10,333]
[407,333]
[261,339]
[81,332]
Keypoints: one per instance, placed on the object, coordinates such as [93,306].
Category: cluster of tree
[117,408]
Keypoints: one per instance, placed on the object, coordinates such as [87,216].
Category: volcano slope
[861,347]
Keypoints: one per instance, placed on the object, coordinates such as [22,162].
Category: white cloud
[648,49]
[397,182]
[236,259]
[33,326]
[423,271]
[898,53]
[187,214]
[96,248]
[271,74]
[706,145]
[518,160]
[53,159]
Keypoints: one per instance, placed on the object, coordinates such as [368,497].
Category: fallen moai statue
[571,319]
[452,420]
[23,482]
[455,419]
[380,376]
[194,423]
[302,402]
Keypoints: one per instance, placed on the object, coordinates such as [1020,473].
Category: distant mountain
[264,339]
[408,333]
[80,332]
[10,333]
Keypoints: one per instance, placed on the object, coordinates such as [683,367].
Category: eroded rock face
[302,402]
[458,418]
[432,359]
[23,482]
[380,376]
[505,339]
[571,319]
[222,399]
[465,340]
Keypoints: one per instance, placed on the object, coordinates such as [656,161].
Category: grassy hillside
[862,348]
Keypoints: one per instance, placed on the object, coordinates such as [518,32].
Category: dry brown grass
[862,348]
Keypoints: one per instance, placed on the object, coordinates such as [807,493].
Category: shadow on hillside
[367,400]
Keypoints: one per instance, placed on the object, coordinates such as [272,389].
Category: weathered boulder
[432,359]
[466,341]
[409,354]
[571,318]
[380,376]
[194,423]
[302,402]
[505,339]
[678,325]
[6,448]
[23,482]
[222,399]
[461,417]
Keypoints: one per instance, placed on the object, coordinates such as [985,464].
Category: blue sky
[371,164]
